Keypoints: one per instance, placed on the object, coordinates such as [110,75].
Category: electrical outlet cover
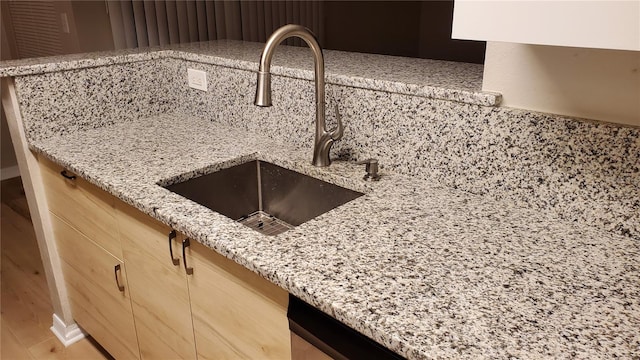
[197,79]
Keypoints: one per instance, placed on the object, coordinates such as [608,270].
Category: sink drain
[265,223]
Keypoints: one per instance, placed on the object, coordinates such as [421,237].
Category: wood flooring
[25,305]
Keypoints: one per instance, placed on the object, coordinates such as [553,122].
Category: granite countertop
[427,271]
[436,79]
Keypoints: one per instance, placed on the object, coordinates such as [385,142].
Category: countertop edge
[483,98]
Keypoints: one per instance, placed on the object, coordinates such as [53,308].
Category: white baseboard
[67,334]
[9,172]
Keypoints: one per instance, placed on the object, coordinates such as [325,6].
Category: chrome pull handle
[117,269]
[172,236]
[185,244]
[66,175]
[371,167]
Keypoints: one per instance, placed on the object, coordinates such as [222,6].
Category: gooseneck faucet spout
[324,139]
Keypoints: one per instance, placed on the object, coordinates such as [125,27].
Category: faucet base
[321,163]
[321,152]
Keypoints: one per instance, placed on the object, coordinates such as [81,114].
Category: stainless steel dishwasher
[317,336]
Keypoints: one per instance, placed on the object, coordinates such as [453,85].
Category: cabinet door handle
[185,244]
[116,269]
[172,235]
[66,175]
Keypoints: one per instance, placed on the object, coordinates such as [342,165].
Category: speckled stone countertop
[421,77]
[427,271]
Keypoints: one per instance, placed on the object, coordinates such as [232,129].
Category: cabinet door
[97,286]
[236,313]
[82,205]
[158,287]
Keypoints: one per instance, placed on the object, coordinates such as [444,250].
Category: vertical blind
[137,23]
[36,27]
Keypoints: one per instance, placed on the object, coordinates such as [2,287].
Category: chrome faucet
[324,139]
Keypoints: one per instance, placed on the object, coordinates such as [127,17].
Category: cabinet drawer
[97,303]
[87,208]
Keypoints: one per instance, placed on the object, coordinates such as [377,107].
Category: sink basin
[266,197]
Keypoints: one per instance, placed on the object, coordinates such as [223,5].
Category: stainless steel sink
[266,197]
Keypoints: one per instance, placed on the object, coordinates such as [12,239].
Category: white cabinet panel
[589,24]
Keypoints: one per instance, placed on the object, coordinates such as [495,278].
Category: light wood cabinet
[236,313]
[158,287]
[97,286]
[82,205]
[156,309]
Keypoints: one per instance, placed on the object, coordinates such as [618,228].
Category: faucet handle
[371,167]
[336,134]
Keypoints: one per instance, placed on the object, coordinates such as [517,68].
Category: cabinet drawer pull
[116,269]
[172,235]
[66,175]
[185,244]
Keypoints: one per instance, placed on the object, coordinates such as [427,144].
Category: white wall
[588,83]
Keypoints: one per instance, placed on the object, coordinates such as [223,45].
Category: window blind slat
[161,19]
[221,27]
[141,23]
[183,26]
[172,21]
[211,19]
[37,28]
[129,24]
[152,22]
[201,14]
[192,20]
